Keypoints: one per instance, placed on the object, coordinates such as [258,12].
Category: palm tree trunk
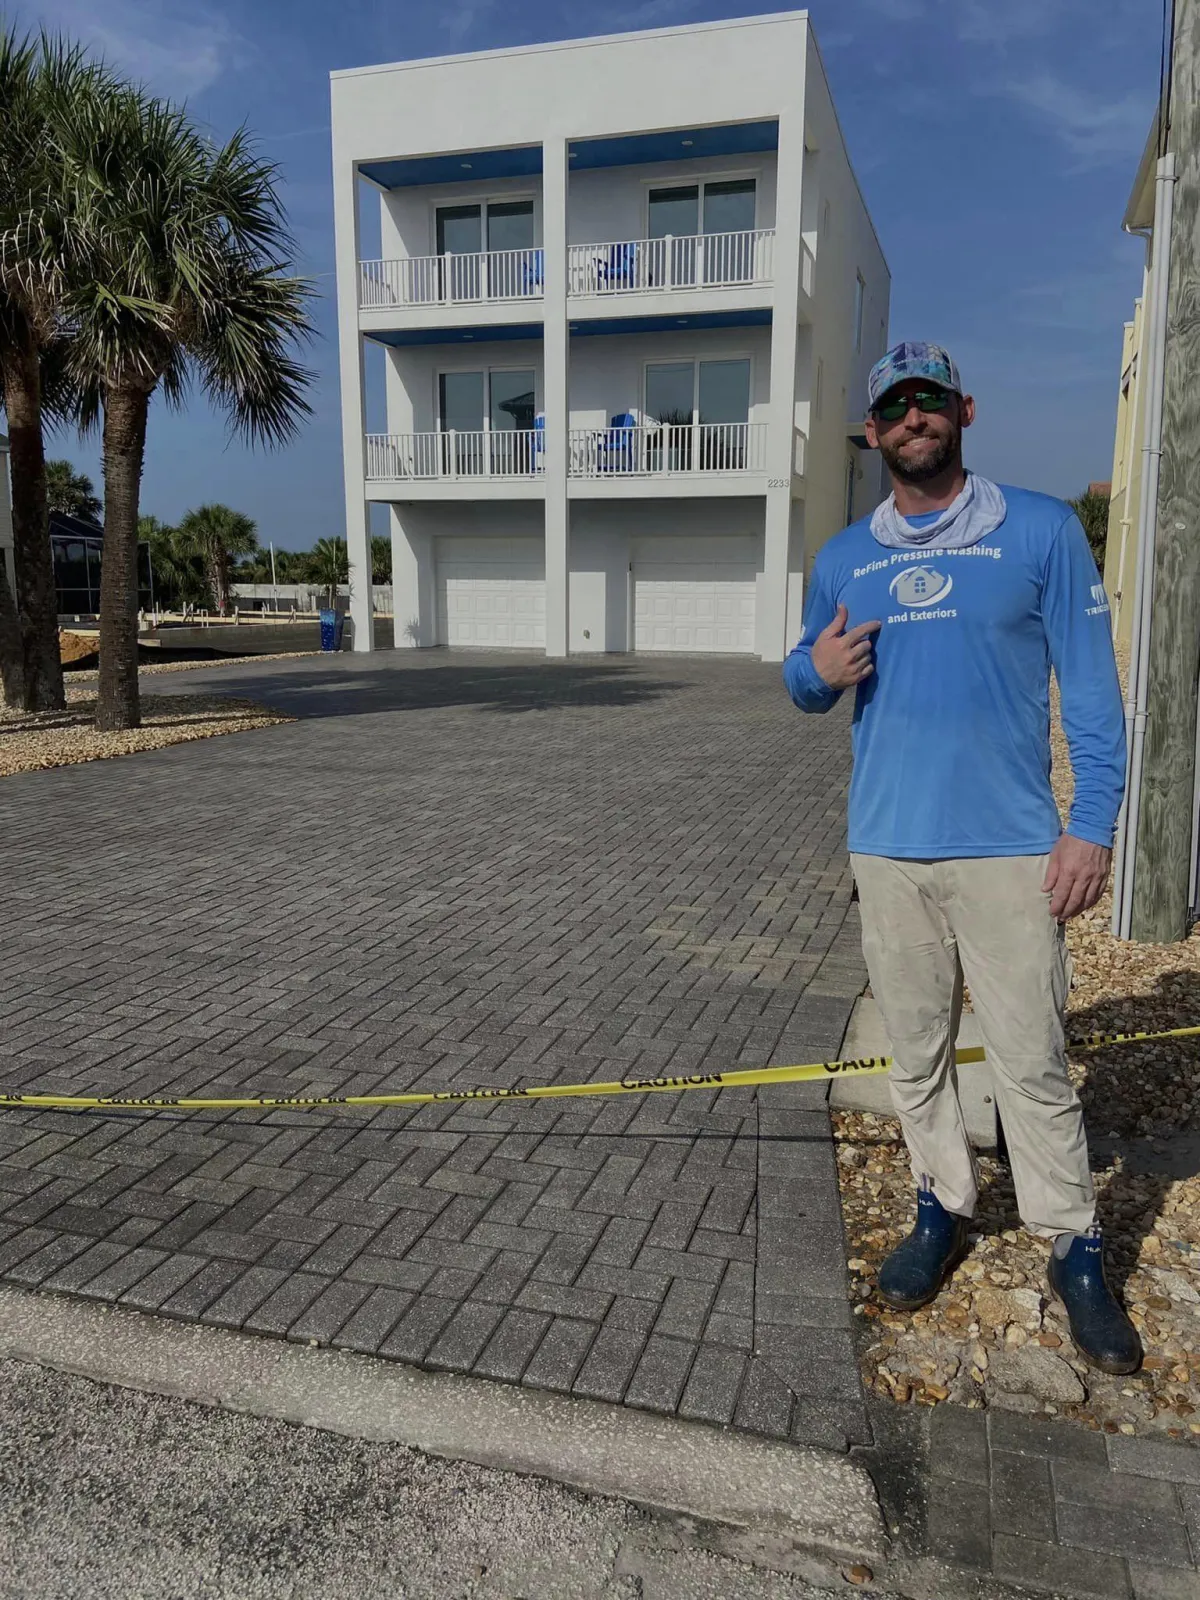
[12,661]
[223,581]
[36,599]
[125,412]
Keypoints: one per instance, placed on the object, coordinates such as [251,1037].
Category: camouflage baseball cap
[912,359]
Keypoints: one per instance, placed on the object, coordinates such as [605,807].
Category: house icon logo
[920,586]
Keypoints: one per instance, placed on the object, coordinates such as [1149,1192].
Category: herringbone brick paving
[452,871]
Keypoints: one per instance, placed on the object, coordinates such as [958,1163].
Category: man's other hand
[1075,876]
[844,659]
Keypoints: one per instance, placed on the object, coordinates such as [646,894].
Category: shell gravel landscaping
[30,743]
[993,1337]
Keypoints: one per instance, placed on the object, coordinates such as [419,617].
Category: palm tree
[329,565]
[41,86]
[381,558]
[71,492]
[177,266]
[179,576]
[215,533]
[1091,507]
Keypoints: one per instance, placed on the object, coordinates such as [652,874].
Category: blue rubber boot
[916,1269]
[1102,1332]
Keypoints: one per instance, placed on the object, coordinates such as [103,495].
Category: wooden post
[1162,885]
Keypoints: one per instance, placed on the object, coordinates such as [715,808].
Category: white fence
[448,279]
[694,449]
[640,266]
[497,453]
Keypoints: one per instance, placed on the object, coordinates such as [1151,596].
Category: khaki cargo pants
[925,925]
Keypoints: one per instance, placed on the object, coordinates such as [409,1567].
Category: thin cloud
[174,50]
[1094,128]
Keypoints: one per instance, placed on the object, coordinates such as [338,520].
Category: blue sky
[995,140]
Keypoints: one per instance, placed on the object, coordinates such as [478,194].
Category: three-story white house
[628,293]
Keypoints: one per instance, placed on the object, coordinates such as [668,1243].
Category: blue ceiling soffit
[407,336]
[681,144]
[699,319]
[469,166]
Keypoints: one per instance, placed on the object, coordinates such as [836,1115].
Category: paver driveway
[454,870]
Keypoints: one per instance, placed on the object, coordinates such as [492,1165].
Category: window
[507,225]
[507,399]
[698,404]
[510,225]
[729,207]
[685,212]
[860,294]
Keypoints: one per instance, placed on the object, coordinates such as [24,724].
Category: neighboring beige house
[1120,561]
[6,533]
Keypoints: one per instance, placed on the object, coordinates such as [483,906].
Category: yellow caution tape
[750,1078]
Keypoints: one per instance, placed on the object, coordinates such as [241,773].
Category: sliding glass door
[502,228]
[723,212]
[506,444]
[460,244]
[697,411]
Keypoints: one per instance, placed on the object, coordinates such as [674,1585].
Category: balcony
[687,450]
[507,455]
[663,266]
[490,277]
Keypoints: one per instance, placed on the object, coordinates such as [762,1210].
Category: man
[944,611]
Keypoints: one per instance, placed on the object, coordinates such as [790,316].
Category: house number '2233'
[779,483]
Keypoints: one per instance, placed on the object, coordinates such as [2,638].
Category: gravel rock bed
[993,1337]
[92,675]
[60,738]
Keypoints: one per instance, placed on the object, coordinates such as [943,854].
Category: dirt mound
[76,647]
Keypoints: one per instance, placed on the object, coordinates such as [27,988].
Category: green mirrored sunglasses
[923,399]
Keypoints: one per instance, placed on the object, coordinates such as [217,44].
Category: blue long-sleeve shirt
[951,732]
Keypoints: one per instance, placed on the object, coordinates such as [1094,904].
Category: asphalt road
[119,1495]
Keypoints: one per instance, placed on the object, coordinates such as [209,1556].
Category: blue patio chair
[533,273]
[617,445]
[618,270]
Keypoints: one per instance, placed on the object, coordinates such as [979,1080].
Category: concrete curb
[785,1496]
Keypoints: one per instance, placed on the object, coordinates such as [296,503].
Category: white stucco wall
[839,228]
[609,204]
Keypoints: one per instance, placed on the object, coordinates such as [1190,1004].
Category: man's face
[920,445]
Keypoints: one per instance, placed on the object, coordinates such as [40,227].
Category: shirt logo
[1100,597]
[920,586]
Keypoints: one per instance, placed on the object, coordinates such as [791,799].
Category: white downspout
[1138,689]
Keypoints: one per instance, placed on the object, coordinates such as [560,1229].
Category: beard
[931,465]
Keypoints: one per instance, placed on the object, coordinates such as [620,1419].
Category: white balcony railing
[452,456]
[701,261]
[691,450]
[450,279]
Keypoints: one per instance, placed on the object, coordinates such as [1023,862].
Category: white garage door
[492,594]
[701,606]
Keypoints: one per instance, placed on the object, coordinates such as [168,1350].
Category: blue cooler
[332,623]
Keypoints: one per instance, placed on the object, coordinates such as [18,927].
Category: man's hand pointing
[844,659]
